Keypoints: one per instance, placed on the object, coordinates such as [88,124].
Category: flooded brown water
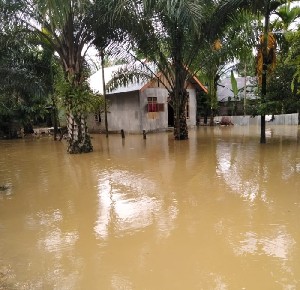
[219,211]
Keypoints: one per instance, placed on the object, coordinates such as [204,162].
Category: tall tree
[266,7]
[66,27]
[294,61]
[24,85]
[216,61]
[243,34]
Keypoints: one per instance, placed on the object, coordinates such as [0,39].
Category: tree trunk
[28,128]
[211,119]
[245,88]
[55,124]
[54,118]
[263,129]
[213,97]
[180,128]
[181,131]
[179,93]
[79,140]
[264,75]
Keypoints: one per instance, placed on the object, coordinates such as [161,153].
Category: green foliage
[286,16]
[203,104]
[280,97]
[233,84]
[283,98]
[293,57]
[24,79]
[80,98]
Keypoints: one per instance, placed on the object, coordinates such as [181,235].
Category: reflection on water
[127,203]
[277,244]
[218,211]
[231,159]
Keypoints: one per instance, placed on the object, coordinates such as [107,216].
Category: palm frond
[130,74]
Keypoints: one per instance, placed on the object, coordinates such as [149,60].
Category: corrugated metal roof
[96,83]
[224,89]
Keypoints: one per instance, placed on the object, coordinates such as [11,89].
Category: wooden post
[122,134]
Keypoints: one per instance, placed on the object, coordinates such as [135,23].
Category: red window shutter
[152,107]
[160,107]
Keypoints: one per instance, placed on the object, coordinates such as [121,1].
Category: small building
[234,105]
[140,105]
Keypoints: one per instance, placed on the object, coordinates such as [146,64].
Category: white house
[140,105]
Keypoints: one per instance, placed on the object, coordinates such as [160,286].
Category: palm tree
[266,7]
[294,61]
[215,63]
[234,43]
[287,16]
[66,27]
[243,34]
[24,84]
[67,31]
[171,34]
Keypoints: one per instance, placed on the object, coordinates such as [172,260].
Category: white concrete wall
[124,112]
[193,108]
[93,126]
[129,112]
[285,119]
[154,121]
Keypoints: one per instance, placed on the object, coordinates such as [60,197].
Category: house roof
[96,83]
[194,80]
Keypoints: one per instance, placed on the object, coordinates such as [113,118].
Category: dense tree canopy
[178,37]
[24,80]
[66,27]
[173,35]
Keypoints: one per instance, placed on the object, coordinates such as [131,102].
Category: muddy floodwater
[218,211]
